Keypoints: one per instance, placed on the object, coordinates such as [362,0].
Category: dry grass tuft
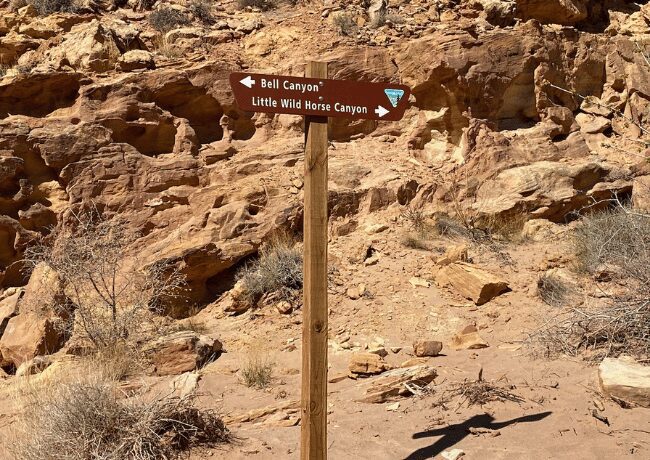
[420,230]
[414,241]
[553,290]
[278,270]
[617,242]
[257,371]
[116,364]
[165,19]
[89,418]
[477,393]
[344,24]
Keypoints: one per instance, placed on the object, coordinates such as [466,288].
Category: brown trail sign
[317,98]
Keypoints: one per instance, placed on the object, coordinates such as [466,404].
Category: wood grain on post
[313,445]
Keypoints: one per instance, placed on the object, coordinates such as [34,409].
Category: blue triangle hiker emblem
[394,95]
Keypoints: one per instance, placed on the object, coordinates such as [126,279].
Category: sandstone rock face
[625,380]
[43,291]
[28,335]
[181,352]
[471,282]
[567,12]
[511,114]
[547,190]
[9,308]
[641,193]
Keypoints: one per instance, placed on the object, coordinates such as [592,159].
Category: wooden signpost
[317,98]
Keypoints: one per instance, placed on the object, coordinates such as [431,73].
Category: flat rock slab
[181,352]
[625,380]
[367,364]
[471,282]
[398,382]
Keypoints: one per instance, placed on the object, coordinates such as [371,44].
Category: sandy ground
[552,421]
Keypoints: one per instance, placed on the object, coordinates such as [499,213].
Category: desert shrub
[110,299]
[257,371]
[616,242]
[416,219]
[618,239]
[344,24]
[263,5]
[553,290]
[47,7]
[277,270]
[89,418]
[447,226]
[165,19]
[202,10]
[420,230]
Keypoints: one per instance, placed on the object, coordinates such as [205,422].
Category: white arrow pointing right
[380,111]
[247,82]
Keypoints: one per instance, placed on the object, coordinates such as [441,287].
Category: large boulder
[28,335]
[623,379]
[44,291]
[135,60]
[181,352]
[471,282]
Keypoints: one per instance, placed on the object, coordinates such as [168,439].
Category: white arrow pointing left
[380,111]
[247,82]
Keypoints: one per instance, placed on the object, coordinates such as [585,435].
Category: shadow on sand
[453,434]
